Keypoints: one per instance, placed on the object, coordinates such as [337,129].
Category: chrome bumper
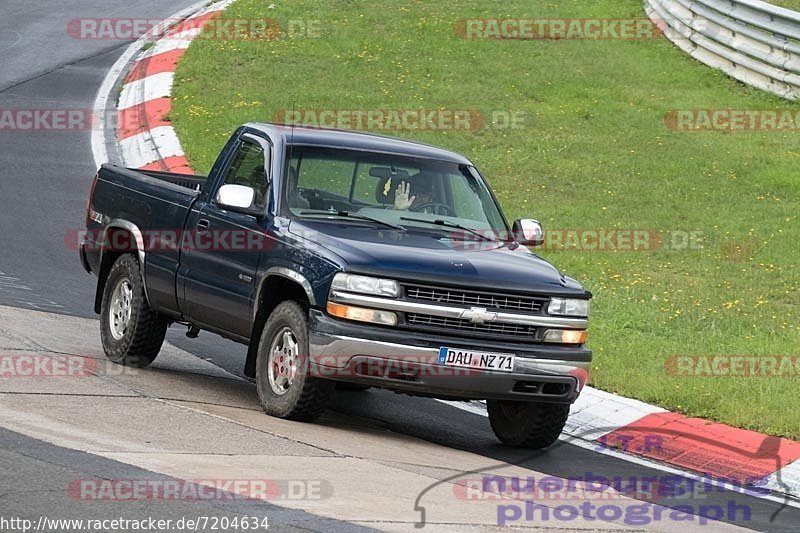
[416,369]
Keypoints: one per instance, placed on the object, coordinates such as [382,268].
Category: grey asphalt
[44,182]
[45,175]
[36,476]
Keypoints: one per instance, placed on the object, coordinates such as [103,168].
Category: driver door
[220,271]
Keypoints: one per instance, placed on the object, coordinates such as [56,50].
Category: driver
[423,194]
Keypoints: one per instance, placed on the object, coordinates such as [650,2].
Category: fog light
[566,336]
[362,314]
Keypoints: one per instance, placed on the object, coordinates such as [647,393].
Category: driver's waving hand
[422,195]
[401,199]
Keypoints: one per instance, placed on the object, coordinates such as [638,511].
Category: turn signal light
[566,336]
[362,314]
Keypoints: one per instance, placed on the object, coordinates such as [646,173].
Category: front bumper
[408,362]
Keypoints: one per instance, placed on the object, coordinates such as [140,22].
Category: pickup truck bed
[150,201]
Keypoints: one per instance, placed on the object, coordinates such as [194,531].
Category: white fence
[755,42]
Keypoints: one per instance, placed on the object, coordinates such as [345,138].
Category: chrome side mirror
[235,196]
[528,232]
[239,199]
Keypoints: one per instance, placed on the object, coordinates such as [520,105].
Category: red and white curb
[598,420]
[716,450]
[645,434]
[144,135]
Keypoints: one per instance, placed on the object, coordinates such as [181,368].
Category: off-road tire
[307,396]
[144,335]
[531,425]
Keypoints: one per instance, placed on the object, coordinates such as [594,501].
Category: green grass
[594,153]
[791,4]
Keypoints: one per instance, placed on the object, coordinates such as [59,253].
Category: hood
[433,257]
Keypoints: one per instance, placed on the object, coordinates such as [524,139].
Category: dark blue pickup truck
[342,257]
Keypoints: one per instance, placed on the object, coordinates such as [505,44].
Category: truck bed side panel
[159,209]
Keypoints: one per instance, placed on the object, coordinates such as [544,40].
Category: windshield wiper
[359,216]
[448,224]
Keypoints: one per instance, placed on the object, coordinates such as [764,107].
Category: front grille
[470,298]
[439,323]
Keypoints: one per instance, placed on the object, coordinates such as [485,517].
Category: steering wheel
[436,205]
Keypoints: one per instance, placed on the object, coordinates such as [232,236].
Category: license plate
[471,359]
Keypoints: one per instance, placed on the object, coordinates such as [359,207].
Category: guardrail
[755,42]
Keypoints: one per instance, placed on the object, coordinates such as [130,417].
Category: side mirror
[237,198]
[528,232]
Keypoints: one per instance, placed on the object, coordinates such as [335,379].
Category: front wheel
[527,424]
[131,332]
[285,388]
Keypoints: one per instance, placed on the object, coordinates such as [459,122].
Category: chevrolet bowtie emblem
[478,315]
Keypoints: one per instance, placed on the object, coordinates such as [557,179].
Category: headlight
[365,285]
[568,307]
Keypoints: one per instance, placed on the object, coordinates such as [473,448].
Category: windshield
[415,193]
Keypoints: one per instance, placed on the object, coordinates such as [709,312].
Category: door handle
[203,225]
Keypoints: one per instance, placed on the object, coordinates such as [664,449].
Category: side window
[247,168]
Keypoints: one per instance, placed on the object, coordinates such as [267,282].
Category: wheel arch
[112,247]
[279,285]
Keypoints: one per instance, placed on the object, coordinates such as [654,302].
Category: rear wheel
[285,388]
[527,424]
[131,332]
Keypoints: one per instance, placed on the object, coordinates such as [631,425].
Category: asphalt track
[35,472]
[44,184]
